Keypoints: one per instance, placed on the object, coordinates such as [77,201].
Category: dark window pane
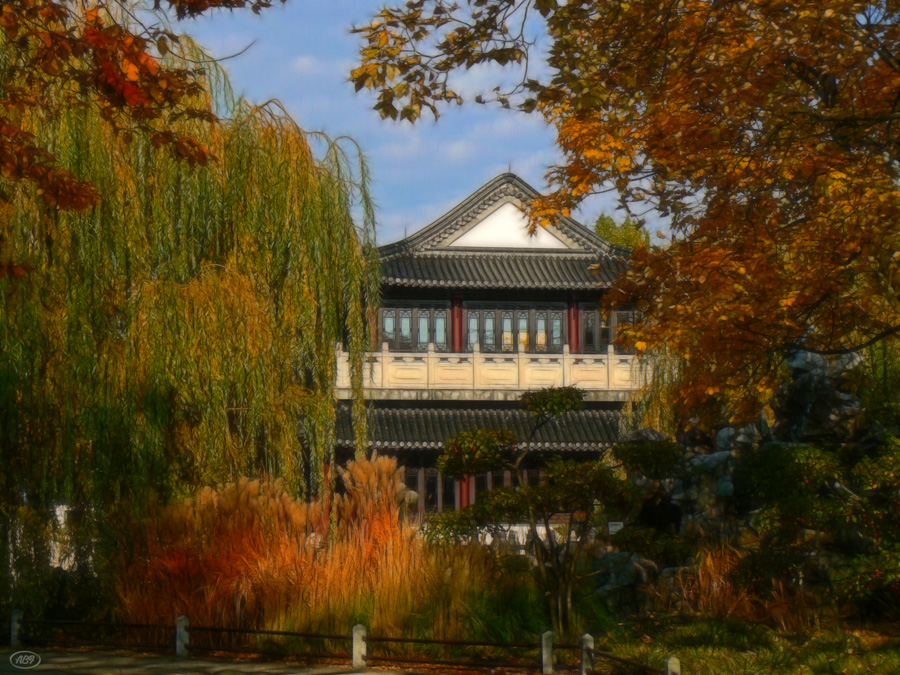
[472,338]
[387,326]
[588,334]
[489,335]
[412,479]
[506,322]
[449,495]
[422,335]
[404,342]
[623,318]
[540,332]
[556,331]
[522,337]
[431,483]
[440,329]
[481,483]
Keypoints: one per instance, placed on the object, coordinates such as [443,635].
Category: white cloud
[306,65]
[458,151]
[482,78]
[407,149]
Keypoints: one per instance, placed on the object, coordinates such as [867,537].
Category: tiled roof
[505,187]
[562,271]
[425,260]
[399,428]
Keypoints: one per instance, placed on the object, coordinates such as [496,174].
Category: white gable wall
[506,227]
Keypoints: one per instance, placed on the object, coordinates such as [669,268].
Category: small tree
[628,233]
[559,512]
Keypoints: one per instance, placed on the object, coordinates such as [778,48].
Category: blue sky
[302,53]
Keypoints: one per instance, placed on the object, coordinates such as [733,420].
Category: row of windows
[498,328]
[443,494]
[410,329]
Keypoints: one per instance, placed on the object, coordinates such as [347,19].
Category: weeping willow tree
[183,330]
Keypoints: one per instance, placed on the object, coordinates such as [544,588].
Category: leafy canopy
[628,232]
[765,130]
[56,54]
[181,330]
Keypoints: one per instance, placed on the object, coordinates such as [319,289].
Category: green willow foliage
[183,331]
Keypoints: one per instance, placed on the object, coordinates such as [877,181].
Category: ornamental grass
[248,555]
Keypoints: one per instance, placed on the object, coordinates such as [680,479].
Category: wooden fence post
[547,653]
[182,635]
[15,624]
[587,656]
[359,646]
[673,666]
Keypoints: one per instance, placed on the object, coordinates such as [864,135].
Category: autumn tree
[627,232]
[57,54]
[180,329]
[560,512]
[764,130]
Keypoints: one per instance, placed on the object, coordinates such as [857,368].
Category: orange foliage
[709,589]
[58,54]
[249,555]
[765,131]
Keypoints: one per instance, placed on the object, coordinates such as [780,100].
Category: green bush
[653,459]
[667,550]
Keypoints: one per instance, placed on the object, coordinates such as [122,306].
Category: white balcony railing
[504,373]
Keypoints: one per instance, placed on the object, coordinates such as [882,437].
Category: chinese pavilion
[474,313]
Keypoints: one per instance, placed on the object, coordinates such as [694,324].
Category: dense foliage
[765,131]
[560,512]
[475,451]
[181,329]
[628,233]
[57,55]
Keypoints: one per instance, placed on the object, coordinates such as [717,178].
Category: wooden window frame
[605,330]
[549,311]
[416,310]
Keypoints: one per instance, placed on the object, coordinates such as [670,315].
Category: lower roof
[406,428]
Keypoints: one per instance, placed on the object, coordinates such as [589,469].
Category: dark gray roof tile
[427,428]
[516,270]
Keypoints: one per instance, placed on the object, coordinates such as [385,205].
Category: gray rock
[712,462]
[843,364]
[806,361]
[725,439]
[724,487]
[669,572]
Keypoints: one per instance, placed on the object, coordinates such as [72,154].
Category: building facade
[476,312]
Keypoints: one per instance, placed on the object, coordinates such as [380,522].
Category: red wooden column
[464,492]
[574,347]
[456,326]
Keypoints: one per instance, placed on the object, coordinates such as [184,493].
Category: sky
[301,53]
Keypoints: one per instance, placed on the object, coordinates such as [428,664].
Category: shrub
[653,459]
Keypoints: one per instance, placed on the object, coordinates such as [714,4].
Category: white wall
[507,227]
